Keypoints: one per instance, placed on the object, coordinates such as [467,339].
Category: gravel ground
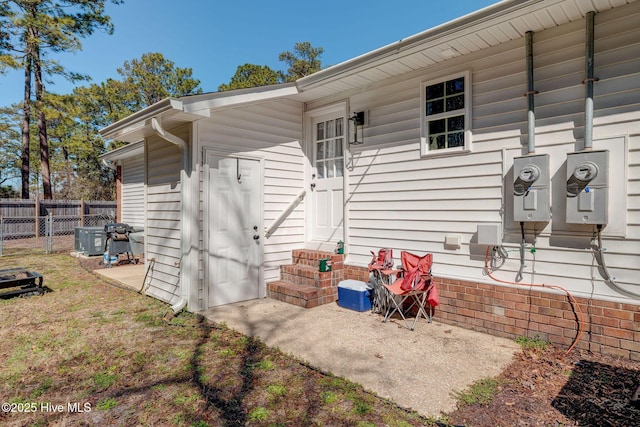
[418,369]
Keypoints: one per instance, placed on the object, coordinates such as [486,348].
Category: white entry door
[234,212]
[327,177]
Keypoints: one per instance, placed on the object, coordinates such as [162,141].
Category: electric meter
[586,171]
[529,174]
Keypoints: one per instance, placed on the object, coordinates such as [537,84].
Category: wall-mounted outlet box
[489,234]
[453,241]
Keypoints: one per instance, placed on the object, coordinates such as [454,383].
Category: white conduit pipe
[156,125]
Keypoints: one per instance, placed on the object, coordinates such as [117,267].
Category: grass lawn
[89,353]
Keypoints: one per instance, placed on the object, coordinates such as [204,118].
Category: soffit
[491,26]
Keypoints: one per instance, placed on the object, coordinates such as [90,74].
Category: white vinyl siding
[273,132]
[162,231]
[133,199]
[400,200]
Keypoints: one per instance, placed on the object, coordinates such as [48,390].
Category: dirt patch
[550,388]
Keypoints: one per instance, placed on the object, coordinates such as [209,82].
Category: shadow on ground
[599,395]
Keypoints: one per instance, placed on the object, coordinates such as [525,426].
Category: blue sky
[214,37]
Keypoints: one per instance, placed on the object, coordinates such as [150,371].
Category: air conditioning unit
[89,241]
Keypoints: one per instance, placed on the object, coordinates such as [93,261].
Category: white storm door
[327,177]
[234,220]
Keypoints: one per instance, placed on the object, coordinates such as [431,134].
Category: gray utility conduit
[588,82]
[531,132]
[598,251]
[523,242]
[156,125]
[531,116]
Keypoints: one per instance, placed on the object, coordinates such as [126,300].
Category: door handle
[256,237]
[313,185]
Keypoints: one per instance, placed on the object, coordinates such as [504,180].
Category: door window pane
[339,147]
[330,129]
[339,167]
[320,131]
[330,165]
[340,126]
[329,149]
[320,151]
[320,170]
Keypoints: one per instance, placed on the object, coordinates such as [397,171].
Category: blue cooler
[354,295]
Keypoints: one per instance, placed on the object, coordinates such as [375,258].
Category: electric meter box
[531,188]
[588,187]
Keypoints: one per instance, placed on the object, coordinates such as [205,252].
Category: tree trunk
[42,128]
[26,124]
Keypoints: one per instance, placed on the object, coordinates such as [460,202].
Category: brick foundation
[608,327]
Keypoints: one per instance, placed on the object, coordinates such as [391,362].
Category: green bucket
[324,264]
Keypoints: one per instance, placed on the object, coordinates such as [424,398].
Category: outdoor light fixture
[358,122]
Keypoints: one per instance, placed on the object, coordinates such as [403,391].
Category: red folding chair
[413,284]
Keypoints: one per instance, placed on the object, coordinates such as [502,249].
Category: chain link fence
[45,234]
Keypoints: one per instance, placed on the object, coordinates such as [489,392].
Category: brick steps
[303,285]
[301,295]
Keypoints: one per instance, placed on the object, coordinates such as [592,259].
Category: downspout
[183,281]
[109,164]
[588,81]
[531,116]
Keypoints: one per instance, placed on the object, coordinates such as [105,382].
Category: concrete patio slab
[418,369]
[131,276]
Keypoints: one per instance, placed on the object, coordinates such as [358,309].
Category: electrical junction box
[588,187]
[531,188]
[489,235]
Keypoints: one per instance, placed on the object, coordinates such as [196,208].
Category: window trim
[424,130]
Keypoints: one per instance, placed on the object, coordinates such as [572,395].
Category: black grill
[118,228]
[117,243]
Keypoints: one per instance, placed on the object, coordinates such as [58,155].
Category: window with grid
[446,112]
[329,148]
